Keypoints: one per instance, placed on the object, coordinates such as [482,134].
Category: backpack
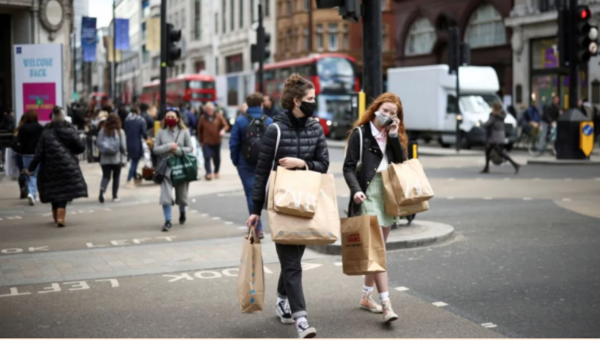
[110,145]
[251,140]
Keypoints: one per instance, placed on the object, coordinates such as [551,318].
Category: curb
[562,162]
[429,233]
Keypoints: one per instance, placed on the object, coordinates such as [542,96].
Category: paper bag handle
[360,150]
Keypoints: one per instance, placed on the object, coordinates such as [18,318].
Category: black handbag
[15,145]
[159,171]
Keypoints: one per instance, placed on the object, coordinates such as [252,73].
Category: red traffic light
[585,13]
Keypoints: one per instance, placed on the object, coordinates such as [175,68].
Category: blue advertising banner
[88,39]
[122,34]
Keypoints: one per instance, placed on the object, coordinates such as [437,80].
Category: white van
[428,95]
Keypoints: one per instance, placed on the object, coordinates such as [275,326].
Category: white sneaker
[31,199]
[305,331]
[116,200]
[283,312]
[388,312]
[367,303]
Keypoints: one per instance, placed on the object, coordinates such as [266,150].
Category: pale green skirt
[374,205]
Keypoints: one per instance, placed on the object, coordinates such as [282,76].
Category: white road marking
[228,223]
[338,264]
[479,179]
[193,200]
[401,289]
[204,215]
[440,304]
[489,325]
[527,198]
[309,266]
[216,218]
[451,179]
[243,228]
[507,178]
[566,200]
[536,179]
[179,277]
[193,211]
[14,218]
[450,197]
[488,198]
[14,291]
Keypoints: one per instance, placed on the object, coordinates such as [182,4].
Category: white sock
[300,319]
[385,296]
[367,289]
[280,299]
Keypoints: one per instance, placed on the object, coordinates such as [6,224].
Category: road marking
[309,266]
[14,218]
[193,211]
[208,274]
[566,200]
[14,291]
[489,325]
[220,195]
[338,264]
[20,250]
[479,179]
[243,228]
[216,218]
[440,304]
[536,179]
[598,178]
[228,223]
[451,179]
[204,215]
[450,197]
[179,277]
[488,198]
[401,289]
[527,198]
[507,178]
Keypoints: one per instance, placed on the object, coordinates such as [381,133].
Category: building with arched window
[421,33]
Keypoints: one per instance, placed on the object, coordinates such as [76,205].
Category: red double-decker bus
[333,74]
[195,89]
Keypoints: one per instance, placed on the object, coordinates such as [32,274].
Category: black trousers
[107,170]
[500,150]
[58,205]
[290,279]
[212,152]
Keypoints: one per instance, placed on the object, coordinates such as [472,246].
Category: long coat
[496,133]
[59,177]
[162,148]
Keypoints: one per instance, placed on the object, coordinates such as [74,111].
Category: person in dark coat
[496,136]
[136,134]
[302,145]
[29,135]
[380,137]
[60,179]
[144,114]
[269,108]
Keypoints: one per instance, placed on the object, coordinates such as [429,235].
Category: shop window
[420,39]
[544,54]
[486,28]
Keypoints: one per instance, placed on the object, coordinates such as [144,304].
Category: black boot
[182,218]
[517,168]
[101,196]
[167,226]
[485,170]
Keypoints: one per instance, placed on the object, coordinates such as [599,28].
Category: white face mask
[383,120]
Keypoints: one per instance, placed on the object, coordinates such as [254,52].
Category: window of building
[289,39]
[289,7]
[197,19]
[145,54]
[234,63]
[319,37]
[306,5]
[231,15]
[241,12]
[345,38]
[299,37]
[267,8]
[305,39]
[182,68]
[333,37]
[224,16]
[420,39]
[216,65]
[486,28]
[216,23]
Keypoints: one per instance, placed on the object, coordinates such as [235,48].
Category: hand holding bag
[183,169]
[251,276]
[297,192]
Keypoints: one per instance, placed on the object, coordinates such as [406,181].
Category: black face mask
[308,108]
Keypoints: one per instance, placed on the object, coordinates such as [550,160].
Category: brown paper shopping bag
[297,192]
[392,208]
[409,182]
[323,228]
[251,277]
[363,249]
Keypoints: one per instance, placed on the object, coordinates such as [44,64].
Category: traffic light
[348,9]
[173,51]
[454,49]
[261,51]
[586,35]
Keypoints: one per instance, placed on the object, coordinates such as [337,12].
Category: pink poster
[40,97]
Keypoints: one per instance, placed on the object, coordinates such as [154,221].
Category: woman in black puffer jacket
[302,144]
[60,179]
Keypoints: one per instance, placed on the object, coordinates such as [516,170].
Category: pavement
[521,261]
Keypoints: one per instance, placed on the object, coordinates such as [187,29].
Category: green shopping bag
[183,169]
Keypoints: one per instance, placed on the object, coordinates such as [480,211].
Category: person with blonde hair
[173,139]
[379,136]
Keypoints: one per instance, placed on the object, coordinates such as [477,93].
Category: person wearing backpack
[244,146]
[112,144]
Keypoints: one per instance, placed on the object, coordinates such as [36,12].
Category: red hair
[369,115]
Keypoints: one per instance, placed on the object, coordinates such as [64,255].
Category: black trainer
[283,312]
[182,218]
[167,226]
[305,331]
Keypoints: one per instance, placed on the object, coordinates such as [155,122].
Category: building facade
[33,22]
[302,29]
[536,61]
[421,33]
